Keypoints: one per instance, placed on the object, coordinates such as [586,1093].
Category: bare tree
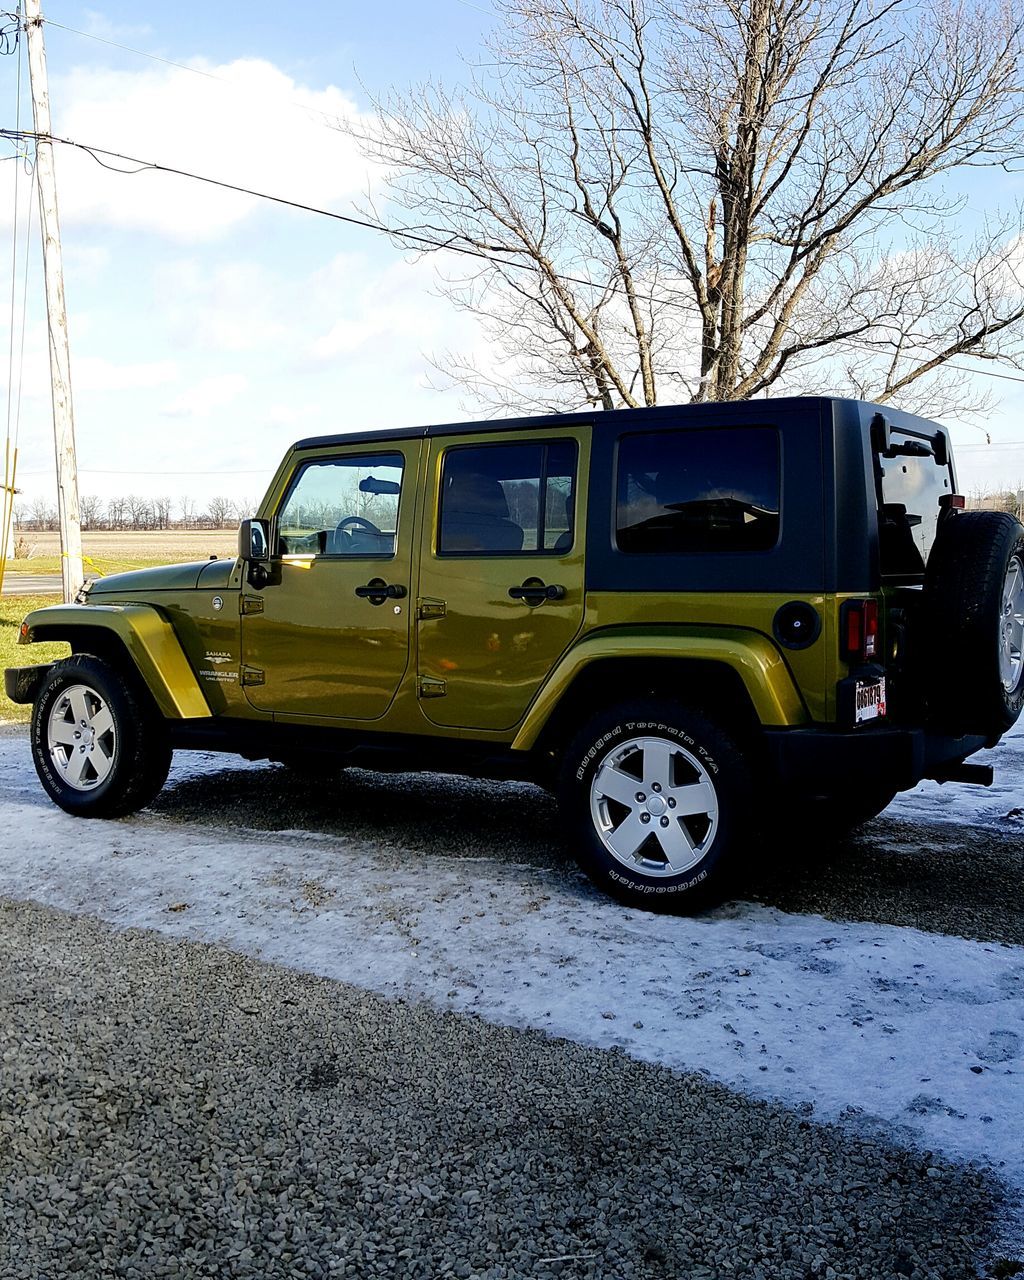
[189,510]
[138,511]
[243,508]
[670,200]
[91,511]
[219,512]
[42,514]
[162,512]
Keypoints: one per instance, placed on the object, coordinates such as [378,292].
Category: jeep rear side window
[343,507]
[911,482]
[698,491]
[508,499]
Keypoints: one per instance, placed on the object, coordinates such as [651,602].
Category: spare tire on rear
[974,622]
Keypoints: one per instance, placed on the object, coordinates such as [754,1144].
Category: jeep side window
[514,499]
[698,491]
[342,507]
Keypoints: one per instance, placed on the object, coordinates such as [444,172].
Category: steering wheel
[357,522]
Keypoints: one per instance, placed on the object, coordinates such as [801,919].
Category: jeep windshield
[913,474]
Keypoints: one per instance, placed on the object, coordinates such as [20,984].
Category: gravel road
[172,1109]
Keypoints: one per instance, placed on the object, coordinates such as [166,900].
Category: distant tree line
[1011,500]
[133,512]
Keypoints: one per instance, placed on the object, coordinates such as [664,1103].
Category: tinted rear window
[911,486]
[698,491]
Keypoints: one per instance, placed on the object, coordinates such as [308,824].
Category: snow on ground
[974,806]
[916,1035]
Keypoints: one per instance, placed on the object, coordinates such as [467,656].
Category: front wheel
[656,798]
[99,746]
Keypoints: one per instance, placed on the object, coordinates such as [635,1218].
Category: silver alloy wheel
[654,806]
[1011,627]
[80,737]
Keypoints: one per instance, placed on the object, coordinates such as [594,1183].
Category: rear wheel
[655,797]
[99,746]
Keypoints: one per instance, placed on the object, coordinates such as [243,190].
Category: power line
[155,57]
[398,233]
[996,444]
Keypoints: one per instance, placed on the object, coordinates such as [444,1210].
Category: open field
[113,551]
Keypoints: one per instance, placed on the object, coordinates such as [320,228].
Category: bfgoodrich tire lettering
[99,745]
[654,796]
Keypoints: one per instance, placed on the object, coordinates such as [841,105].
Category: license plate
[870,701]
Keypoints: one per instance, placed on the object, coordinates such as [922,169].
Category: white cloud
[103,28]
[392,313]
[244,122]
[224,306]
[207,394]
[94,373]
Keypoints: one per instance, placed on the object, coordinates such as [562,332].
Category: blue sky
[208,330]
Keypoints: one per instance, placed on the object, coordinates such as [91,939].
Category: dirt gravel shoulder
[171,1109]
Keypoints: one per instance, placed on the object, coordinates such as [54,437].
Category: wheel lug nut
[640,797]
[671,803]
[655,786]
[664,822]
[645,817]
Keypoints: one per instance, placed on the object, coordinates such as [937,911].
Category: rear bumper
[823,760]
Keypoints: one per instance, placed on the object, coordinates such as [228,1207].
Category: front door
[328,634]
[501,574]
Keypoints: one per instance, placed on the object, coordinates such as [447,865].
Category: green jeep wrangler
[689,621]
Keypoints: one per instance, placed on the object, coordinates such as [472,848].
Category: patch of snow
[999,807]
[912,1035]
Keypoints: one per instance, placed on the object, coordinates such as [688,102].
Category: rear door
[501,575]
[328,634]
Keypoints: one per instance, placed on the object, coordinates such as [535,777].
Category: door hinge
[253,675]
[426,607]
[428,687]
[252,604]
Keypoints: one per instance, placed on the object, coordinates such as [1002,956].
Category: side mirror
[254,541]
[254,549]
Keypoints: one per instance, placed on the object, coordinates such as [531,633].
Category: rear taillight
[858,621]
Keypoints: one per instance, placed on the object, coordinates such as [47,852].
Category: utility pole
[53,271]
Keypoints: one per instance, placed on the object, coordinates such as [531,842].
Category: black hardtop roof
[613,420]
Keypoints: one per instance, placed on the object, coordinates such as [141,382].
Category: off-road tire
[963,619]
[140,755]
[700,754]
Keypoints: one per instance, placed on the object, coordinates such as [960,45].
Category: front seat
[475,515]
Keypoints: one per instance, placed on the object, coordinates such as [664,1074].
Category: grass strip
[12,610]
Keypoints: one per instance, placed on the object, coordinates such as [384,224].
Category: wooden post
[53,271]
